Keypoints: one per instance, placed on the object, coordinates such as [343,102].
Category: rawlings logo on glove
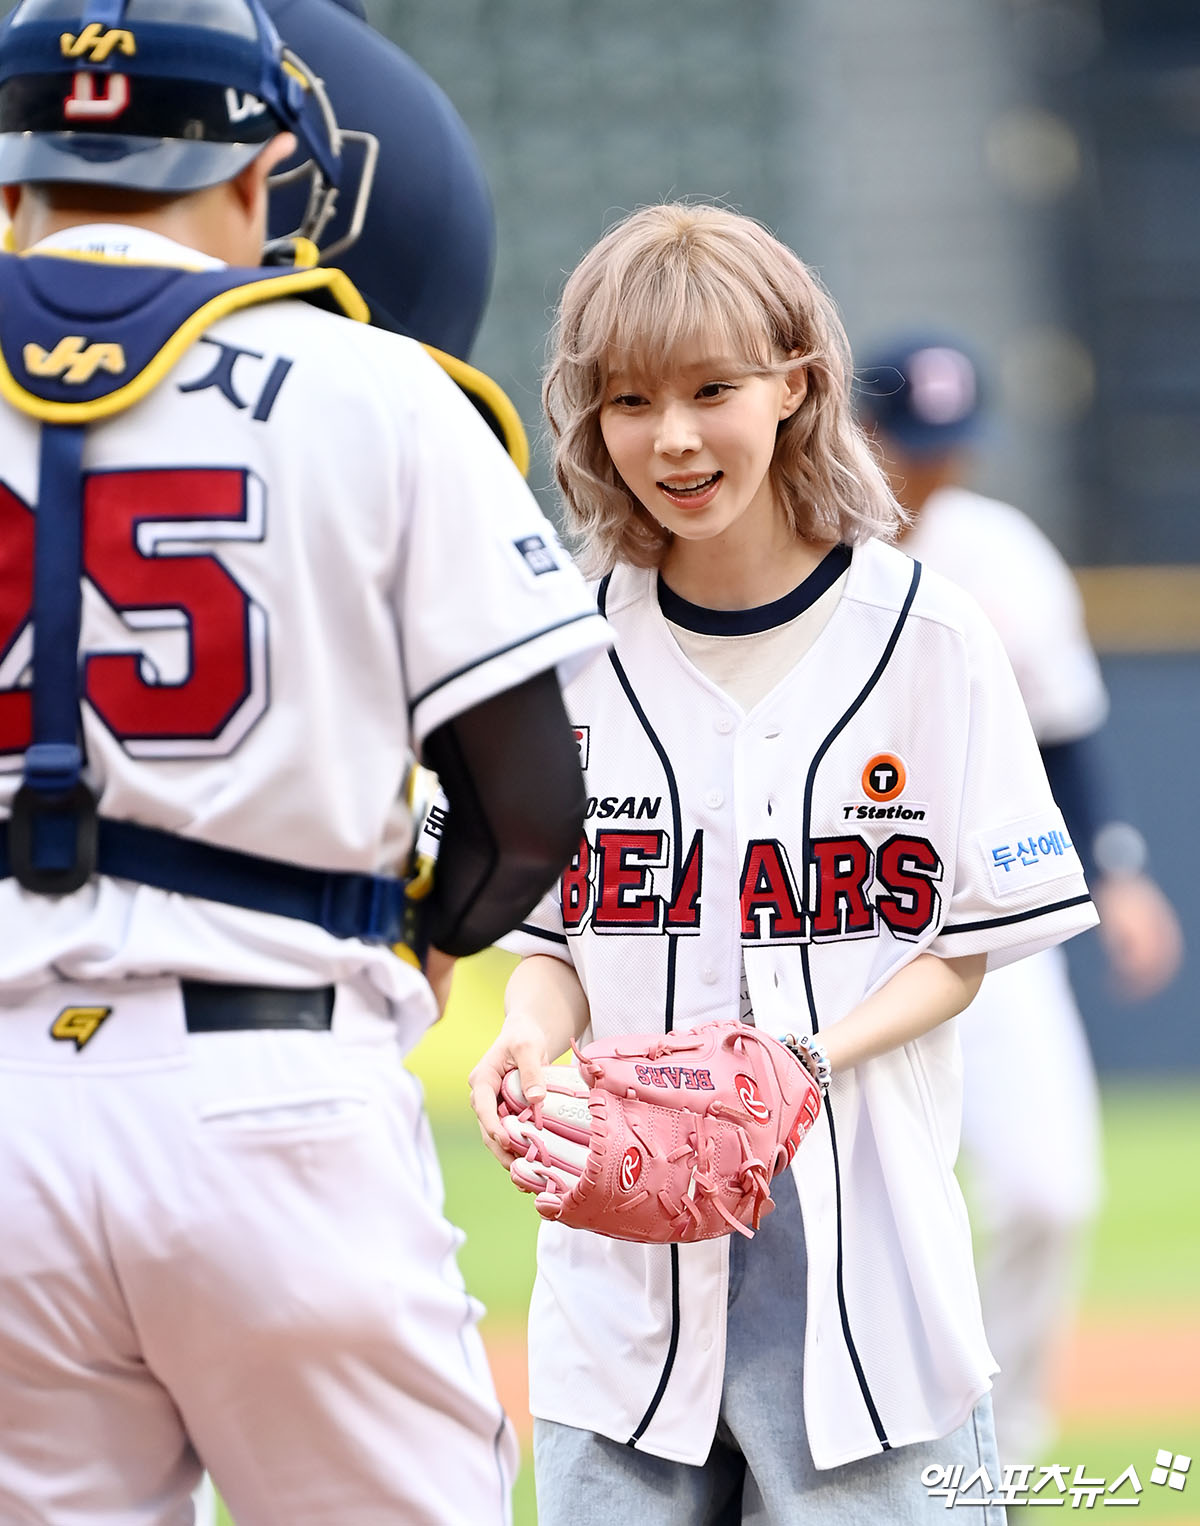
[665,1137]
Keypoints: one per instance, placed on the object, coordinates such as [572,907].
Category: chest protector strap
[81,340]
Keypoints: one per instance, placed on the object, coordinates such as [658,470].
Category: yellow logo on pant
[78,1024]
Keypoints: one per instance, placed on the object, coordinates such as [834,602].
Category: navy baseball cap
[923,392]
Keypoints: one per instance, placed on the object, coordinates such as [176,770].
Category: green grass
[1108,1451]
[497,1259]
[1146,1250]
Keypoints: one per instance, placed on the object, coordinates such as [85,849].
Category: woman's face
[695,446]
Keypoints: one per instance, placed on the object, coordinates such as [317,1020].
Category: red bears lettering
[625,900]
[612,886]
[770,905]
[683,914]
[908,867]
[841,873]
[577,888]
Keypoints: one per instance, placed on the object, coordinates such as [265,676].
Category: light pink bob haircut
[666,277]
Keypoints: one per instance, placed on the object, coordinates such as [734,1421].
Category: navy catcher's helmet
[164,96]
[424,258]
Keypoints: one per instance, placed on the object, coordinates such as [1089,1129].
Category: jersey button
[724,724]
[714,799]
[708,975]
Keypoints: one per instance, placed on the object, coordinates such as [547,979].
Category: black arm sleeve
[510,771]
[1076,774]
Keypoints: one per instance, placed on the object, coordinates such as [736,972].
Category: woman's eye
[626,400]
[714,389]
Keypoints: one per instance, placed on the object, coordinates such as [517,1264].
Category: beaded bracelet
[812,1056]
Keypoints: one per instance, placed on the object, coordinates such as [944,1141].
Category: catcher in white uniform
[1034,1156]
[814,801]
[254,555]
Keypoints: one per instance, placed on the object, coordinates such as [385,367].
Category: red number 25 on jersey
[144,539]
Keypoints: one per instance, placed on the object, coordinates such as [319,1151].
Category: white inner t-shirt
[747,652]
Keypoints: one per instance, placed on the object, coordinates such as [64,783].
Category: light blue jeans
[759,1471]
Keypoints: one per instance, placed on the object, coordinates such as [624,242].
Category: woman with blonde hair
[815,804]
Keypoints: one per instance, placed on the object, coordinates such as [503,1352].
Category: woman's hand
[521,1046]
[546,1009]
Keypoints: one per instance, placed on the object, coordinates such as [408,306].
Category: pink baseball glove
[663,1137]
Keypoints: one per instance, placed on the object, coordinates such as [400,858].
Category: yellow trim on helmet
[288,283]
[494,399]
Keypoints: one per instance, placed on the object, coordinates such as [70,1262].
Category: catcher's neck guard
[491,402]
[132,321]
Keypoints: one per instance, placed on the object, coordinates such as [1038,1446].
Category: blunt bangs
[663,312]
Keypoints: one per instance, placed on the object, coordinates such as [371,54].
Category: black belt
[210,1007]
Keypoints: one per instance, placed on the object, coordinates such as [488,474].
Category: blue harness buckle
[53,832]
[365,906]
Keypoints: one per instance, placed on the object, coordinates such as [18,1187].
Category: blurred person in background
[1033,1151]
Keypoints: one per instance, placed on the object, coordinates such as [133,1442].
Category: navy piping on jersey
[479,662]
[672,784]
[844,1313]
[669,1006]
[751,622]
[1017,916]
[541,932]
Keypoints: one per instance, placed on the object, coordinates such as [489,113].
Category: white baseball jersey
[887,798]
[1026,589]
[262,631]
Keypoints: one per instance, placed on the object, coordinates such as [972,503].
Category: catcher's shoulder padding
[666,1137]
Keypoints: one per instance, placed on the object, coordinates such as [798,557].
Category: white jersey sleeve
[519,606]
[1018,885]
[1026,589]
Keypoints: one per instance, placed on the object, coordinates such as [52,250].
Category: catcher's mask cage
[166,96]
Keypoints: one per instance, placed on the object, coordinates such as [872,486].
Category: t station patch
[884,777]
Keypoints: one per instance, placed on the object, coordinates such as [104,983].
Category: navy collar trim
[750,622]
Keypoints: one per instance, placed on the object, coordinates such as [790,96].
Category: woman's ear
[797,391]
